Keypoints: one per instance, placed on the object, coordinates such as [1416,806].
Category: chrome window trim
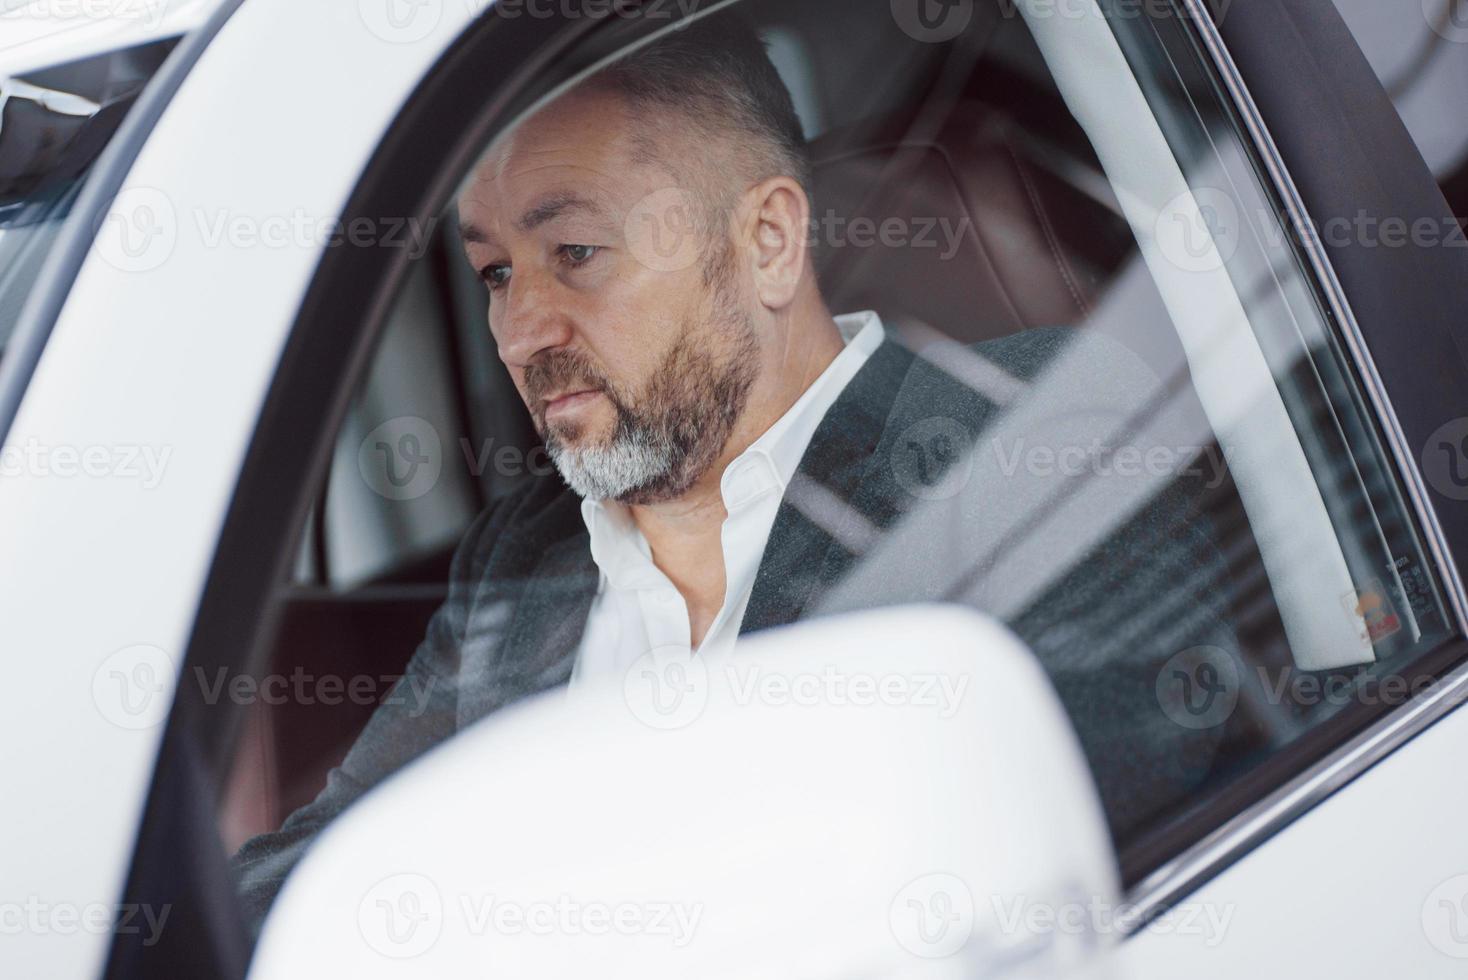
[1256,824]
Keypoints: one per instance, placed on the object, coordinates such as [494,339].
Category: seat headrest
[966,231]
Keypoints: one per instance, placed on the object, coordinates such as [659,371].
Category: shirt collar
[767,466]
[784,443]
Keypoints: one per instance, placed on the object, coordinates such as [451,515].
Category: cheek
[632,333]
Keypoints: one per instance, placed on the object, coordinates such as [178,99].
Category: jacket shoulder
[529,518]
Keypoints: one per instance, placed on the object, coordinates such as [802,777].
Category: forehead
[582,145]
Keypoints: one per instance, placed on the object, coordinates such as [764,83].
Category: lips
[569,401]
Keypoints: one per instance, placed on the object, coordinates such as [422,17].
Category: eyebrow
[547,210]
[554,207]
[473,234]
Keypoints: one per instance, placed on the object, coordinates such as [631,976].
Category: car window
[1077,375]
[54,122]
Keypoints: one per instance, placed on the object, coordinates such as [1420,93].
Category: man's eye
[579,254]
[495,275]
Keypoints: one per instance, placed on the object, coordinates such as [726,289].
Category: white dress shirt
[637,609]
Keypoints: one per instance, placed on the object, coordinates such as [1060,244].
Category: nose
[530,319]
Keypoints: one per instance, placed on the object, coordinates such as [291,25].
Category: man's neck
[684,533]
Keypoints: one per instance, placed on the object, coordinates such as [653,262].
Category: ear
[776,238]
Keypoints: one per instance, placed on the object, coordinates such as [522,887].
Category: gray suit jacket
[881,466]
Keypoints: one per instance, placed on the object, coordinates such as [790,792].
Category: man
[736,456]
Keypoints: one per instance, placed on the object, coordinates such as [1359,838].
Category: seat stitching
[1050,238]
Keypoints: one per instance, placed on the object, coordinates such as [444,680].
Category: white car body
[165,349]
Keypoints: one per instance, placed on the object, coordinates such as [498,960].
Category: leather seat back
[969,231]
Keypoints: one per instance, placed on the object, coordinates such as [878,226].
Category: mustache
[560,370]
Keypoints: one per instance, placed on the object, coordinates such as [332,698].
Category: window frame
[1345,746]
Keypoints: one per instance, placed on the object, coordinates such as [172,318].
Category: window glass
[995,313]
[54,122]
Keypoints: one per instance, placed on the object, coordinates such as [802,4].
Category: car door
[236,341]
[167,300]
[1364,843]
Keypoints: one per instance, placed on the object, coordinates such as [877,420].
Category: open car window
[1103,402]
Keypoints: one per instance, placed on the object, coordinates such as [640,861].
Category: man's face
[625,335]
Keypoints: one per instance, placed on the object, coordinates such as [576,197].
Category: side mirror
[889,793]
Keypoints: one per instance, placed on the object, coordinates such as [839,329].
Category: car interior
[973,132]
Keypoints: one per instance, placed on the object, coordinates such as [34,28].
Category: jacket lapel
[836,504]
[541,595]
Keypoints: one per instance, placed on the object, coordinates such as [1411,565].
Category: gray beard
[630,462]
[660,446]
[688,412]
